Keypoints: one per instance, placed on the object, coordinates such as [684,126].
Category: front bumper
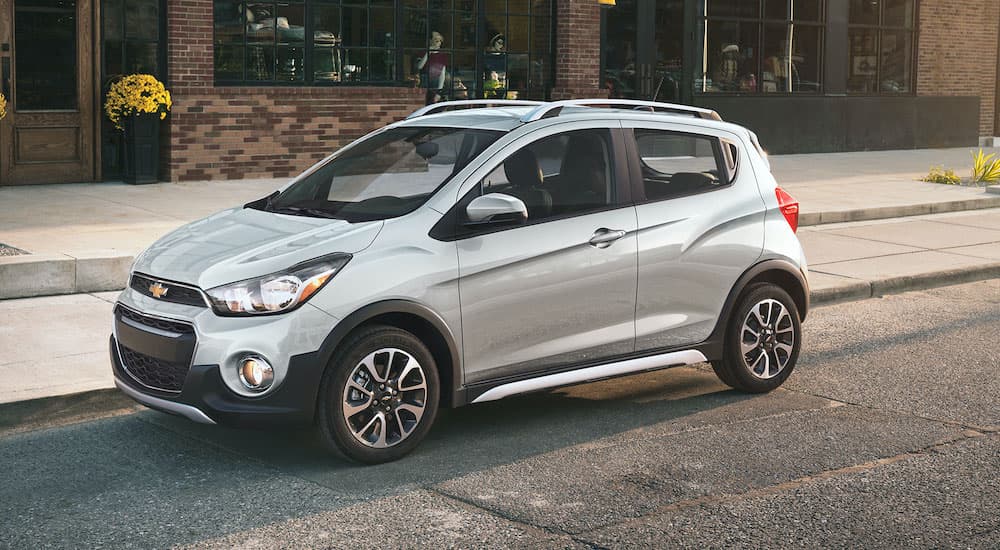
[206,399]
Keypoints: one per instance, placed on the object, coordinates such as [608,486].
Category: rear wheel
[379,395]
[762,340]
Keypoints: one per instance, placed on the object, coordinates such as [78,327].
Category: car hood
[242,243]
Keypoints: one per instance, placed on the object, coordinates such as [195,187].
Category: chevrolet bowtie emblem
[158,290]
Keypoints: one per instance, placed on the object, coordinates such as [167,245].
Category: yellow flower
[3,106]
[136,93]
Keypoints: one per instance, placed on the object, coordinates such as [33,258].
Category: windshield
[388,175]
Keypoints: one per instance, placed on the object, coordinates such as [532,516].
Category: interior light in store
[606,2]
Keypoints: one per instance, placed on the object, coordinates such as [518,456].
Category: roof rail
[554,108]
[471,103]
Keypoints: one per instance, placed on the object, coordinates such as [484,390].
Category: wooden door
[46,58]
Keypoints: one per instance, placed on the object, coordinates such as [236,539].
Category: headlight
[278,292]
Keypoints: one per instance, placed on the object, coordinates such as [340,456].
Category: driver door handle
[605,237]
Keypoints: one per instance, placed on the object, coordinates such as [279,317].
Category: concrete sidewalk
[59,344]
[82,237]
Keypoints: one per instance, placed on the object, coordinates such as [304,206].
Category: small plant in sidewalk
[134,94]
[985,168]
[3,106]
[939,175]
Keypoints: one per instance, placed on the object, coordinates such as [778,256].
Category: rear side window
[675,164]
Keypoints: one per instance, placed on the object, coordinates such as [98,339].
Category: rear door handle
[605,237]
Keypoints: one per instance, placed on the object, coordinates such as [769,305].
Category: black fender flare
[397,306]
[713,347]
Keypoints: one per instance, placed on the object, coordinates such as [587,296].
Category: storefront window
[761,46]
[453,49]
[880,38]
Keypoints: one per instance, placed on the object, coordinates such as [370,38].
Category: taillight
[789,208]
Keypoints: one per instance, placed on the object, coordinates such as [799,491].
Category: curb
[48,412]
[31,275]
[862,290]
[884,212]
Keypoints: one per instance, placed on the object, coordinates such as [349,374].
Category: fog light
[255,373]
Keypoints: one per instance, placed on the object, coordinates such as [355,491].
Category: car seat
[526,178]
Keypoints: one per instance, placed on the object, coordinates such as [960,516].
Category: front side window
[388,175]
[675,164]
[880,38]
[761,46]
[558,176]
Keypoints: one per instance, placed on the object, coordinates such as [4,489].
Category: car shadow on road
[479,437]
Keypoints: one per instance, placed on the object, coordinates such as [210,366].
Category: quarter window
[675,164]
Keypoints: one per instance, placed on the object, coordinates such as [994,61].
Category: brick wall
[957,52]
[578,50]
[242,132]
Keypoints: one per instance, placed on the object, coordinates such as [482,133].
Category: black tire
[337,428]
[741,372]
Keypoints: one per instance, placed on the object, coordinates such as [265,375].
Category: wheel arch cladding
[790,283]
[416,319]
[778,272]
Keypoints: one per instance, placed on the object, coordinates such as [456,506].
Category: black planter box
[142,148]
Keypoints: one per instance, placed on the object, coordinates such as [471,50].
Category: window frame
[761,21]
[635,162]
[879,28]
[548,52]
[450,228]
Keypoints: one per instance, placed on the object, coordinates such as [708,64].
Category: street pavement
[886,435]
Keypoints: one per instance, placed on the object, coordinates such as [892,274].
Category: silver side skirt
[672,359]
[187,411]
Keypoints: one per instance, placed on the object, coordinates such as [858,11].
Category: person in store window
[784,68]
[727,71]
[434,66]
[495,68]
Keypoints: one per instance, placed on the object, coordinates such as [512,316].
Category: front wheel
[762,340]
[379,395]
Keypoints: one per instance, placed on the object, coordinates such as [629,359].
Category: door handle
[605,237]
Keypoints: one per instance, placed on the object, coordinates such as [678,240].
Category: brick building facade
[265,88]
[958,54]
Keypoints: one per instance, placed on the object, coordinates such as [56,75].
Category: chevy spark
[474,251]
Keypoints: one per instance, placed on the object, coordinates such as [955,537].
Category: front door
[643,50]
[560,289]
[46,65]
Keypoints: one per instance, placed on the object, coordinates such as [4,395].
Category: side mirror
[496,208]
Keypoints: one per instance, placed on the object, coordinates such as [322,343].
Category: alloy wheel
[767,339]
[385,398]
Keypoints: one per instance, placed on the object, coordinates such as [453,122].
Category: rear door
[559,289]
[700,226]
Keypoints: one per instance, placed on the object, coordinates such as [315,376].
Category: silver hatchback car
[475,250]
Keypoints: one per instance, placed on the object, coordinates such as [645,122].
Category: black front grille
[155,373]
[154,322]
[156,352]
[172,292]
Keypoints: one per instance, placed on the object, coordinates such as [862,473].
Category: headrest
[522,169]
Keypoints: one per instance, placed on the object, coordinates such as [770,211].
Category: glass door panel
[643,49]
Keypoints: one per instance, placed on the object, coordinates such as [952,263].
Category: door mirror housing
[496,208]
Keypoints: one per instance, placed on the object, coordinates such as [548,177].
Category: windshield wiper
[302,211]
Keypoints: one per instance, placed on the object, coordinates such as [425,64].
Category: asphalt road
[887,435]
